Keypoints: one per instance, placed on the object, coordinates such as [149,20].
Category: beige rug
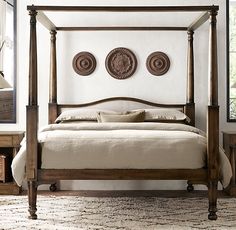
[138,213]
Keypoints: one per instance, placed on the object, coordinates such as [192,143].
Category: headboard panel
[120,104]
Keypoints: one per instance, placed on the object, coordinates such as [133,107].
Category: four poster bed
[37,174]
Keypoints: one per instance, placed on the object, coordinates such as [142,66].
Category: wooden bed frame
[208,176]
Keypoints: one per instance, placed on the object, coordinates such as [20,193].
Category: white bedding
[121,146]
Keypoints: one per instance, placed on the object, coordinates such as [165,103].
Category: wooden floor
[130,193]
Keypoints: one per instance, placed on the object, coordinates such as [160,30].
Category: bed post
[213,119]
[32,120]
[52,105]
[190,105]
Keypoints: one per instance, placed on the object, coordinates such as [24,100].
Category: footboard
[123,174]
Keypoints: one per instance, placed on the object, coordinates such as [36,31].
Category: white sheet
[121,146]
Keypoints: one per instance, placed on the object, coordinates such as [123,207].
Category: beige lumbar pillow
[137,116]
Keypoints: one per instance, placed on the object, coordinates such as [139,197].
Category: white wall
[170,86]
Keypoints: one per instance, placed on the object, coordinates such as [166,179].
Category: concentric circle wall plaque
[121,63]
[158,63]
[84,63]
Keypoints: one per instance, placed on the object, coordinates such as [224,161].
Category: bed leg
[212,196]
[190,187]
[32,198]
[53,187]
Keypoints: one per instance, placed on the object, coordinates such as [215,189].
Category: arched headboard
[120,104]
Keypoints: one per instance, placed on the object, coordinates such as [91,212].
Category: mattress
[121,146]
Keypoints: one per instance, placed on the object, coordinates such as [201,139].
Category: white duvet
[121,146]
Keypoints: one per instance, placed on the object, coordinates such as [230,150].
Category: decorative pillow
[135,116]
[166,115]
[80,114]
[108,113]
[77,122]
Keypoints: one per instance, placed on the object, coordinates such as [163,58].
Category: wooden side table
[229,145]
[9,145]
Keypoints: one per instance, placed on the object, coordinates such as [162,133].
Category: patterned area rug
[146,213]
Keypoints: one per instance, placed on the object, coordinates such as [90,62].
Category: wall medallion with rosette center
[158,63]
[121,63]
[84,63]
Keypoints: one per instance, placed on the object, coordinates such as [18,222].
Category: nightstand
[229,145]
[9,145]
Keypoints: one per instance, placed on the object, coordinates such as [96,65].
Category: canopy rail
[125,8]
[121,28]
[199,21]
[44,20]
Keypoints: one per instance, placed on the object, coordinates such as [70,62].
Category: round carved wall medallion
[121,63]
[84,63]
[158,63]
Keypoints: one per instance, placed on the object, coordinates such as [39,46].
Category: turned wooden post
[190,69]
[53,69]
[190,106]
[213,63]
[32,108]
[213,119]
[32,199]
[32,120]
[52,109]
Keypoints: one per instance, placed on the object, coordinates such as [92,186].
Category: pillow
[166,115]
[135,116]
[80,114]
[108,113]
[77,122]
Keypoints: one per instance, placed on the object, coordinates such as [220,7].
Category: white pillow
[166,115]
[80,114]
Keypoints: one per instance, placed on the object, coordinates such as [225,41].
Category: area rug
[138,213]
